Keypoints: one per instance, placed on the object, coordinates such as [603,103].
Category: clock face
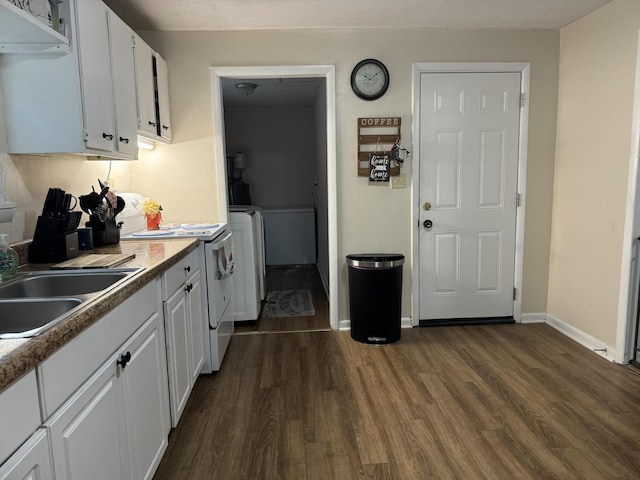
[370,79]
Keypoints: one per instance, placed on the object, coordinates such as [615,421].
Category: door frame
[493,67]
[293,71]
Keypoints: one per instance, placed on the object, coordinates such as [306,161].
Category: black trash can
[375,297]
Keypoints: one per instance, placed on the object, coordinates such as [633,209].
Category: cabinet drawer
[63,372]
[174,278]
[19,414]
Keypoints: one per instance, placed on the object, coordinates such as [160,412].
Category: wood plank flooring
[481,402]
[296,277]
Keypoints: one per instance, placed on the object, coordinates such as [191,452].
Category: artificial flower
[151,207]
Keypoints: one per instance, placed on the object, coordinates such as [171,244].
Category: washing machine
[246,277]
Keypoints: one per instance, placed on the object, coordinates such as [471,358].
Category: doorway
[470,131]
[327,253]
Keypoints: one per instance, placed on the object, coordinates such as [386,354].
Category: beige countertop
[19,356]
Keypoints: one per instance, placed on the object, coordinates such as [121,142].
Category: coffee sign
[379,167]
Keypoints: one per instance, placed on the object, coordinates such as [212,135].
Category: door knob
[426,206]
[427,224]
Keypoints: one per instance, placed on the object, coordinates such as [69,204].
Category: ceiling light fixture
[246,89]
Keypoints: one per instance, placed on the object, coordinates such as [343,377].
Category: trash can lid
[375,260]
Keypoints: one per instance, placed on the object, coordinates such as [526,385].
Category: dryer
[246,277]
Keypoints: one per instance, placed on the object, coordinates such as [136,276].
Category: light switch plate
[399,181]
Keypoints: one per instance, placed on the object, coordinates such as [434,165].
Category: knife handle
[47,209]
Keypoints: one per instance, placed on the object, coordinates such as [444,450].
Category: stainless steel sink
[59,284]
[21,318]
[36,301]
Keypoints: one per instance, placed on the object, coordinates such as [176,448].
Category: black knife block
[51,242]
[104,233]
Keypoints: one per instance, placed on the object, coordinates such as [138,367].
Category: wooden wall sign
[377,135]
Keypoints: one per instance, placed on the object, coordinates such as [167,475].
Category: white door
[87,434]
[178,338]
[146,395]
[468,177]
[95,69]
[196,323]
[31,461]
[124,85]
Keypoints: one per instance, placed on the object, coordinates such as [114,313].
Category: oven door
[219,265]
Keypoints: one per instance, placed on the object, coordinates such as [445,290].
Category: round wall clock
[370,79]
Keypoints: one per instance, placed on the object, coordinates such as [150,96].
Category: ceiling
[186,15]
[194,15]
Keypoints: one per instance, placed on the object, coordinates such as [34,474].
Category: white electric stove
[216,257]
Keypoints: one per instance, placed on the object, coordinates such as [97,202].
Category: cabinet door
[124,85]
[87,434]
[196,324]
[146,398]
[31,461]
[95,75]
[177,330]
[144,83]
[163,97]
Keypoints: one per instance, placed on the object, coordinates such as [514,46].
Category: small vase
[153,221]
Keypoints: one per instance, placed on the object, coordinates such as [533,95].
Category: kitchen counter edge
[19,356]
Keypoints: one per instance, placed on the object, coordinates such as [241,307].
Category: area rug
[288,303]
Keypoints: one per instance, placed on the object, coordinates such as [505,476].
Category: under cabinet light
[143,143]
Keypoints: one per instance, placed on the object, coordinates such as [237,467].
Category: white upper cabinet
[95,68]
[124,85]
[152,79]
[162,75]
[83,102]
[147,122]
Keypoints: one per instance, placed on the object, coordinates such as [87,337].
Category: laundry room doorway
[259,115]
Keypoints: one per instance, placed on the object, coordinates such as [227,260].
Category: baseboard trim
[533,318]
[582,338]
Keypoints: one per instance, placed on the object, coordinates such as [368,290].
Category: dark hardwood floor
[480,402]
[292,277]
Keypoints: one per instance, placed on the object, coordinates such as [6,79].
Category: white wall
[190,54]
[182,176]
[278,144]
[597,77]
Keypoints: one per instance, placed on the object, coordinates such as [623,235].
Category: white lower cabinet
[182,290]
[146,399]
[31,461]
[88,437]
[116,424]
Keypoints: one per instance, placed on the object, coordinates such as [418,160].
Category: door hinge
[518,200]
[523,99]
[515,293]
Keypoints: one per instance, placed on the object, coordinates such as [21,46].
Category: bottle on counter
[8,259]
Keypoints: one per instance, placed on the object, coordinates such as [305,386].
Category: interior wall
[597,78]
[278,144]
[370,218]
[190,54]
